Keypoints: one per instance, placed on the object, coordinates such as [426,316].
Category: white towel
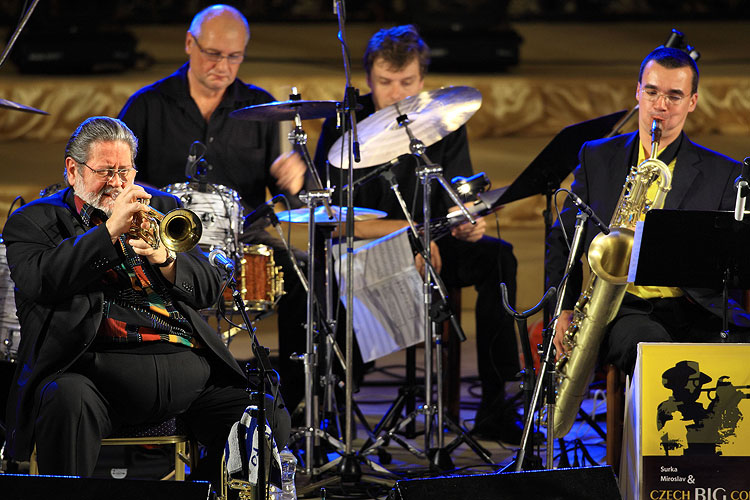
[239,439]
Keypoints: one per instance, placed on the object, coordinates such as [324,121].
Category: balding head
[215,44]
[221,18]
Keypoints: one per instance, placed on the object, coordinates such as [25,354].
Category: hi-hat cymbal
[4,103]
[302,215]
[286,110]
[431,116]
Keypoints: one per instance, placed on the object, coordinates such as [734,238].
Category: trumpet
[723,385]
[179,229]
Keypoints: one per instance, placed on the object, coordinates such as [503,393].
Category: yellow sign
[695,400]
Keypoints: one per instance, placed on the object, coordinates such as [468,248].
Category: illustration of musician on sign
[685,425]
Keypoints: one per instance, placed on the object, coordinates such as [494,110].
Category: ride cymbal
[302,215]
[4,103]
[286,110]
[431,116]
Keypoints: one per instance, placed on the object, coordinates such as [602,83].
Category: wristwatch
[171,256]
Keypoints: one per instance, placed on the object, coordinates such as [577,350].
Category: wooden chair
[169,432]
[615,414]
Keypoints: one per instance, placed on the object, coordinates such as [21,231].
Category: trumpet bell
[180,230]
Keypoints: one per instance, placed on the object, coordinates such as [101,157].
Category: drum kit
[384,135]
[220,211]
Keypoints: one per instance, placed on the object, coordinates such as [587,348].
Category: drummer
[396,61]
[193,104]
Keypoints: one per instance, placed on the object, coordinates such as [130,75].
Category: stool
[452,358]
[615,414]
[172,432]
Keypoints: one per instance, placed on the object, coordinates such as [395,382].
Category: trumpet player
[110,333]
[666,93]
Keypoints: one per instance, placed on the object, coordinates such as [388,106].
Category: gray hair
[98,129]
[215,11]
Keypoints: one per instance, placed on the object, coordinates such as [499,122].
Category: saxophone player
[666,92]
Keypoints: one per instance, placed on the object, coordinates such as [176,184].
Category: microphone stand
[265,372]
[17,32]
[527,373]
[349,468]
[546,378]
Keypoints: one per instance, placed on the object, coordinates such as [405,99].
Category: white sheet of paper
[388,310]
[635,253]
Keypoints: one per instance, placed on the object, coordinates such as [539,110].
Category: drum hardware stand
[439,457]
[312,430]
[314,198]
[331,345]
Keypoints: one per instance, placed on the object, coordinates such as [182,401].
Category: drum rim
[262,250]
[219,189]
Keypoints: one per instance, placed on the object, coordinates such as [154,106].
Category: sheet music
[635,253]
[388,310]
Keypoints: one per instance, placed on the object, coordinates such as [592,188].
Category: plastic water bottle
[288,467]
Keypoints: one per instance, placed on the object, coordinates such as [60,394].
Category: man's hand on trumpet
[127,204]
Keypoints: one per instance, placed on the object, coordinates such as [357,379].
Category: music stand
[551,166]
[711,254]
[554,163]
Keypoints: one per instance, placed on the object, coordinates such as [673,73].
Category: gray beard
[94,199]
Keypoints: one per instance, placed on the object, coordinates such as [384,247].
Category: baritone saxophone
[609,260]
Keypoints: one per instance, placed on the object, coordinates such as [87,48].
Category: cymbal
[286,110]
[432,115]
[302,215]
[4,103]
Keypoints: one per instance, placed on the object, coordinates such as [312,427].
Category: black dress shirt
[166,121]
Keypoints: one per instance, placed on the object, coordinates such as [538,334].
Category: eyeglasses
[106,174]
[653,95]
[216,56]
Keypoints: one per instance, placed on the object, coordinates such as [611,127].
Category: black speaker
[21,487]
[462,48]
[74,50]
[587,483]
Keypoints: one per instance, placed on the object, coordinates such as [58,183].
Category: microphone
[742,186]
[377,171]
[578,202]
[261,211]
[219,259]
[193,158]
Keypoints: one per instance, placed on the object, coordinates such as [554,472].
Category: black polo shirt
[166,121]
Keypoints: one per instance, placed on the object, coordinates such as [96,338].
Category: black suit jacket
[702,180]
[57,265]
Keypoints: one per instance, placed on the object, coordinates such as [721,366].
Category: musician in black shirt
[193,104]
[395,61]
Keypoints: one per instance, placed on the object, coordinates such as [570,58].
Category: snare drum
[261,281]
[218,208]
[10,330]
